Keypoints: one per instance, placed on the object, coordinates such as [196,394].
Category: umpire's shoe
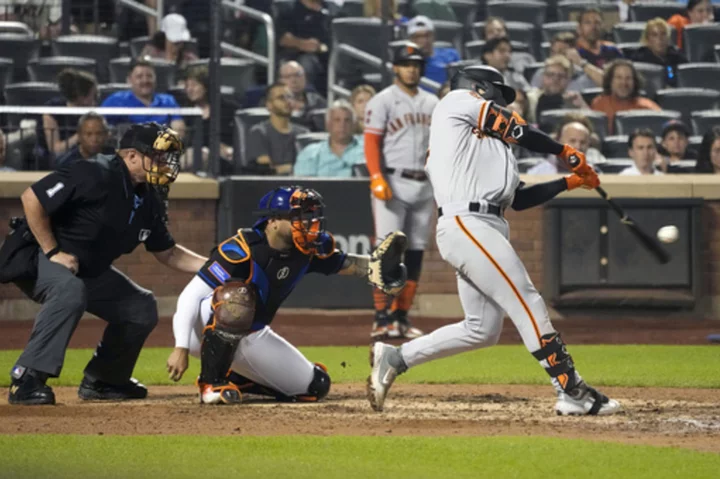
[29,390]
[91,390]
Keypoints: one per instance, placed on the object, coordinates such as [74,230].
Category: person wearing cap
[170,42]
[674,147]
[421,31]
[78,221]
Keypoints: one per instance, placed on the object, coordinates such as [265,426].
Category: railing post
[214,74]
[65,17]
[331,74]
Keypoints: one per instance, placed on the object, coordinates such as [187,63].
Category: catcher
[224,314]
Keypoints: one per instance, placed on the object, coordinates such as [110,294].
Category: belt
[417,175]
[474,207]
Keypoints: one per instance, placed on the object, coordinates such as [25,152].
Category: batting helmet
[490,80]
[408,52]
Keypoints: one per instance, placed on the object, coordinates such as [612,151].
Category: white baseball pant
[410,210]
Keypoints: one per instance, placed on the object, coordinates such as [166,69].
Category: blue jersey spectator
[142,94]
[336,156]
[421,31]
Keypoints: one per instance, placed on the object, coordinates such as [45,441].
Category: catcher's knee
[233,306]
[320,385]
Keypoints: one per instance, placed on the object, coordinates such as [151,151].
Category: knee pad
[413,263]
[557,361]
[320,385]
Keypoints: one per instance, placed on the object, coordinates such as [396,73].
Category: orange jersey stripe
[504,275]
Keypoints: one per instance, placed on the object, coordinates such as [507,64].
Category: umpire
[78,220]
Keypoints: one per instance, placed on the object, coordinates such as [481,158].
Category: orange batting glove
[380,188]
[590,181]
[575,160]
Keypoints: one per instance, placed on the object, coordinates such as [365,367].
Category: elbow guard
[506,125]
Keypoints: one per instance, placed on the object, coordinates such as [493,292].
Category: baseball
[668,234]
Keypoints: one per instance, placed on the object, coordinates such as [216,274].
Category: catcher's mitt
[386,270]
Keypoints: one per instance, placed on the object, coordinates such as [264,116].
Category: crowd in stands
[578,84]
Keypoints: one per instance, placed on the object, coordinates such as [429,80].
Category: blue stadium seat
[628,121]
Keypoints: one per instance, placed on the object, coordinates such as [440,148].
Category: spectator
[658,50]
[495,28]
[590,44]
[674,147]
[335,156]
[496,53]
[3,153]
[359,98]
[621,91]
[422,32]
[271,144]
[304,101]
[142,94]
[304,33]
[643,151]
[197,86]
[93,134]
[709,154]
[698,12]
[169,43]
[585,74]
[78,89]
[553,94]
[577,131]
[373,9]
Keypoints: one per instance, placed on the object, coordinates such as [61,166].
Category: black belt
[417,175]
[475,208]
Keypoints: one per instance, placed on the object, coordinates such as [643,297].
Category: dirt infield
[688,418]
[353,330]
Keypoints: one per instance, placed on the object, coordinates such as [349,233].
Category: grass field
[643,366]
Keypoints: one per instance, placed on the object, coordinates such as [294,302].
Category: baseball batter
[475,178]
[397,131]
[224,314]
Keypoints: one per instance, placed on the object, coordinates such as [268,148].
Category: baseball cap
[175,28]
[675,125]
[420,24]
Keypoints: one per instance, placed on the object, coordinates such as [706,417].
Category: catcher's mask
[159,143]
[303,207]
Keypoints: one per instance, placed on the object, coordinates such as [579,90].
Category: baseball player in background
[397,131]
[475,178]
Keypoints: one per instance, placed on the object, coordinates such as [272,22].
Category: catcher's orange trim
[240,240]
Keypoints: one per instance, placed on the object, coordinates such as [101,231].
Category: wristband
[52,252]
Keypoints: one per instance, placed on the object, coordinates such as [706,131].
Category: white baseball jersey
[463,164]
[404,122]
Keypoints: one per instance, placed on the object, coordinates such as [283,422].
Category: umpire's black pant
[130,310]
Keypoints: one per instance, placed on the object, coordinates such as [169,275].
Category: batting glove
[380,188]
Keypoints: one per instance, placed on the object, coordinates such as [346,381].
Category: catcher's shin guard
[216,355]
[558,363]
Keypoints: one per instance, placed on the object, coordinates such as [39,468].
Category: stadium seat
[309,138]
[473,50]
[631,32]
[28,94]
[569,10]
[19,28]
[703,121]
[449,32]
[164,72]
[628,121]
[353,8]
[616,165]
[454,67]
[235,72]
[317,119]
[654,76]
[525,164]
[544,51]
[107,89]
[550,118]
[589,94]
[699,75]
[615,146]
[518,11]
[360,171]
[46,69]
[530,70]
[699,41]
[549,30]
[465,12]
[642,12]
[281,6]
[629,49]
[244,120]
[695,141]
[688,100]
[366,34]
[20,49]
[101,49]
[138,43]
[6,72]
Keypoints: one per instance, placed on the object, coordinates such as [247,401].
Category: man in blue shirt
[142,94]
[421,31]
[335,156]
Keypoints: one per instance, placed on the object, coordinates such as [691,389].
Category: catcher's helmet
[488,78]
[408,52]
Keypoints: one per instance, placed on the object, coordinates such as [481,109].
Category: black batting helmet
[408,52]
[488,78]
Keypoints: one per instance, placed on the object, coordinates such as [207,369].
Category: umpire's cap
[408,52]
[485,77]
[142,137]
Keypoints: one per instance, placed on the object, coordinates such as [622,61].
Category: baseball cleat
[401,327]
[91,390]
[227,393]
[585,401]
[383,373]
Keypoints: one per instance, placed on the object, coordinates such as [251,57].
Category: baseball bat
[650,242]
